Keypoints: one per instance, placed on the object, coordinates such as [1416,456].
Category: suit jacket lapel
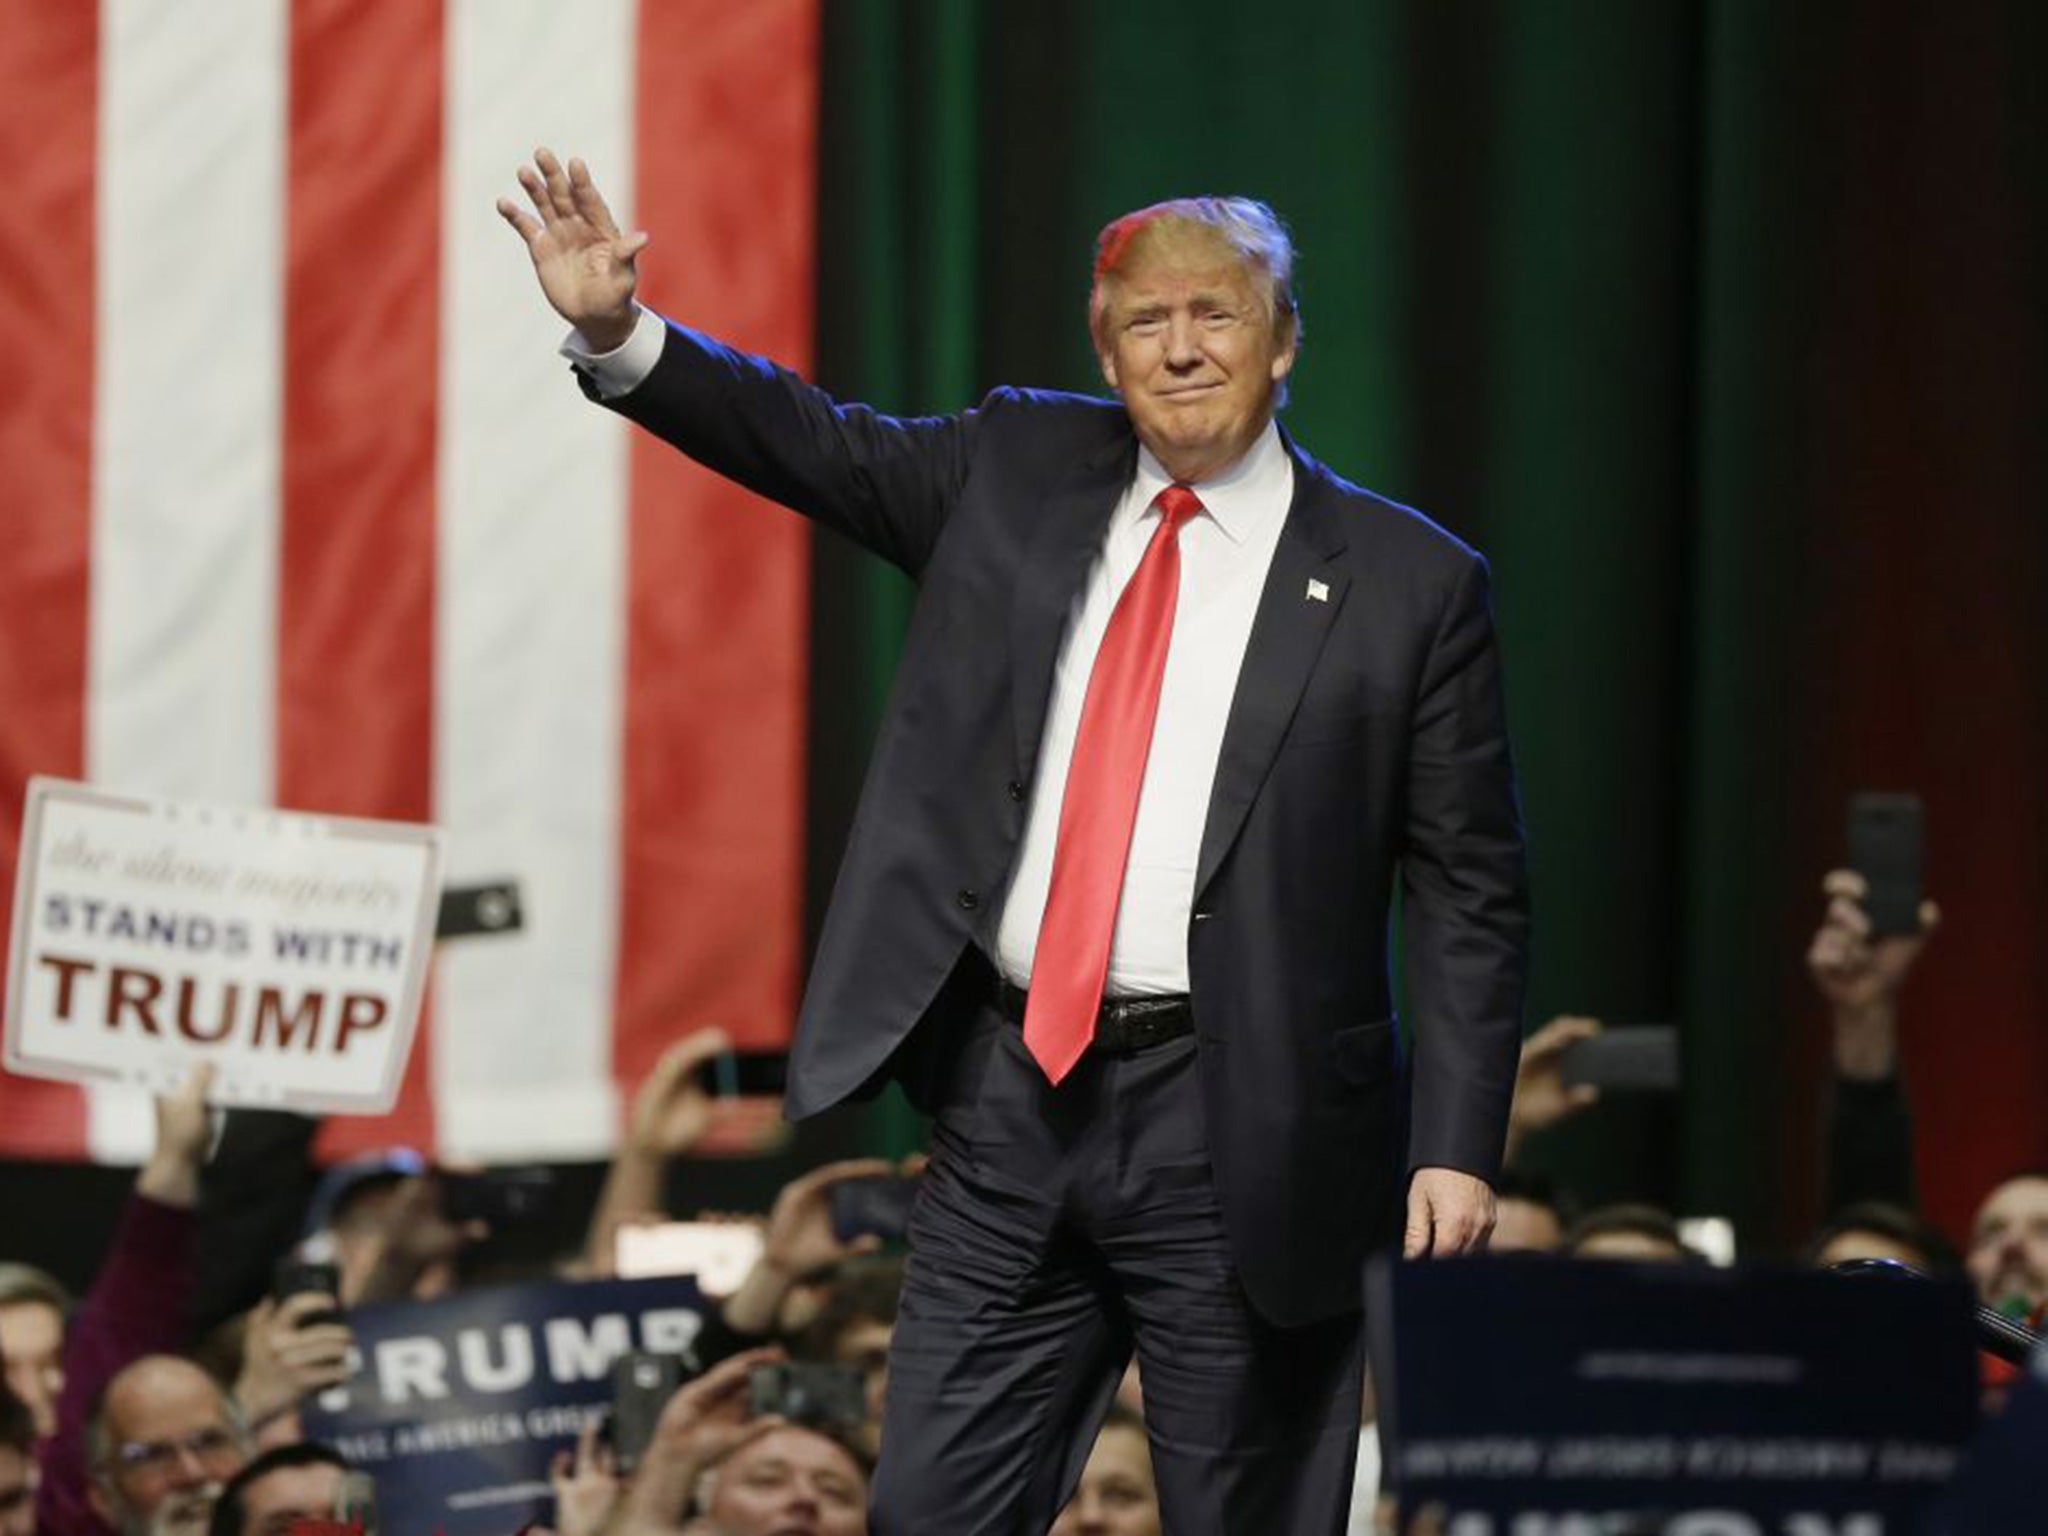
[1287,636]
[1067,537]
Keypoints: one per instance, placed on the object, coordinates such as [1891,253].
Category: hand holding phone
[297,1343]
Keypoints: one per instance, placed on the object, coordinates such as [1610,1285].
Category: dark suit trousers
[1056,1229]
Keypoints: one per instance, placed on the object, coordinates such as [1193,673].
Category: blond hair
[1244,228]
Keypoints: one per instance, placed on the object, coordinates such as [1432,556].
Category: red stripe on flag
[49,67]
[710,870]
[356,576]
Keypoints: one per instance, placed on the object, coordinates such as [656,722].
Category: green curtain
[1565,271]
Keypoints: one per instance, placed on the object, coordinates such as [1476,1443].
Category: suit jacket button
[969,900]
[1017,789]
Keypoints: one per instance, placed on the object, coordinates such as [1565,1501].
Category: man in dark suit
[1177,708]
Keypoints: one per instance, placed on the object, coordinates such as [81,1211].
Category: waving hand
[583,260]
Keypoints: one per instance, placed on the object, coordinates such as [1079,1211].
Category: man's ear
[1283,363]
[1107,359]
[1289,327]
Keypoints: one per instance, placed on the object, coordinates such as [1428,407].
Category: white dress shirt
[1225,552]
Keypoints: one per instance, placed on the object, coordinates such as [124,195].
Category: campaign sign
[457,1406]
[1536,1396]
[149,934]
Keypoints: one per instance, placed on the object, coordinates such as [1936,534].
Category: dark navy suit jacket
[1365,745]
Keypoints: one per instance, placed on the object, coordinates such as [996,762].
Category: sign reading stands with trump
[289,950]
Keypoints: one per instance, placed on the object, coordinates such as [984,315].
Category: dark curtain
[1717,325]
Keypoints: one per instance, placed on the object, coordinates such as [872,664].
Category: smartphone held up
[1887,847]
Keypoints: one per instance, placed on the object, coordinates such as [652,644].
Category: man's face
[1188,345]
[18,1479]
[32,1344]
[789,1482]
[1116,1496]
[383,1207]
[171,1447]
[273,1501]
[2008,1257]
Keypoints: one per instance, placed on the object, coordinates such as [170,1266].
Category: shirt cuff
[623,369]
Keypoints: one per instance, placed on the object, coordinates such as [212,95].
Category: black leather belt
[1122,1025]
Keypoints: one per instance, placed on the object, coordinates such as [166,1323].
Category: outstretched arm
[886,482]
[140,1300]
[585,262]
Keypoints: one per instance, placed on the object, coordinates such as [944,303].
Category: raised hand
[1852,968]
[1860,976]
[799,1240]
[1542,1097]
[286,1355]
[585,263]
[184,1134]
[673,1109]
[706,1420]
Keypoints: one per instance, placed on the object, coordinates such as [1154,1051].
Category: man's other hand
[585,263]
[1448,1212]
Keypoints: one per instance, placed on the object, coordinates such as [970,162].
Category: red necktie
[1101,800]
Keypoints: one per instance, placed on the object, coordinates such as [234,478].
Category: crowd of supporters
[166,1401]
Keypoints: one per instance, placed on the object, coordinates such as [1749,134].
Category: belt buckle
[1134,1023]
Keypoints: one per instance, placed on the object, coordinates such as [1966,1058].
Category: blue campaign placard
[1538,1396]
[457,1406]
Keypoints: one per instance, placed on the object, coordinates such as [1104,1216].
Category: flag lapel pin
[1318,591]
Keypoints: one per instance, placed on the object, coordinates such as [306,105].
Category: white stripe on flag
[188,332]
[530,609]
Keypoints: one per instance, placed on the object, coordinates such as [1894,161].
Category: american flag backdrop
[301,507]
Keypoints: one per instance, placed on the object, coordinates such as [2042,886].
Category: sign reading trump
[289,950]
